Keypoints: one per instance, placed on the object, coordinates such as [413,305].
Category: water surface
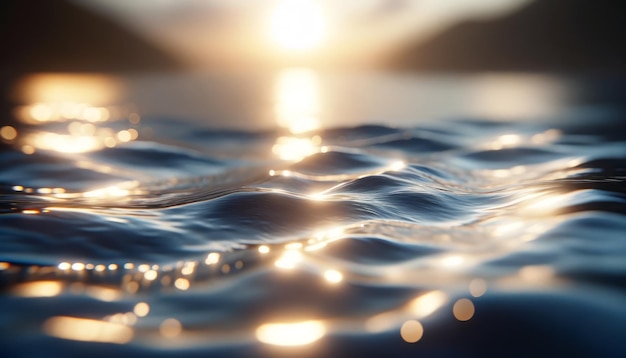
[304,214]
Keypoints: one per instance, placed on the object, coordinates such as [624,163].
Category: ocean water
[305,214]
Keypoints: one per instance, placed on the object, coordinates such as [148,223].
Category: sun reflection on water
[298,109]
[38,289]
[83,100]
[463,309]
[291,148]
[424,305]
[410,318]
[411,331]
[88,330]
[298,100]
[291,334]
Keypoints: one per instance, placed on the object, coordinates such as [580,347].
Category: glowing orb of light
[297,25]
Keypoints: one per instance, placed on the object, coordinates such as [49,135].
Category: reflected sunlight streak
[289,259]
[427,303]
[290,148]
[87,330]
[38,289]
[291,334]
[60,87]
[463,309]
[65,143]
[297,100]
[411,331]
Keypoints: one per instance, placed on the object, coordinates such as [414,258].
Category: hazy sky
[200,30]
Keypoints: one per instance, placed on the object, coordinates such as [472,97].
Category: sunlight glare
[297,96]
[290,148]
[463,309]
[87,330]
[333,276]
[297,25]
[411,331]
[290,334]
[424,305]
[38,289]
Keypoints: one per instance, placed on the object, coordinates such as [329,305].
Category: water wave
[478,238]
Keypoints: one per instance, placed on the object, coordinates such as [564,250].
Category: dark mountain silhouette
[547,35]
[59,36]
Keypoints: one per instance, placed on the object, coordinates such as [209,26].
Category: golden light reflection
[291,148]
[143,267]
[212,258]
[78,266]
[8,133]
[294,246]
[333,276]
[398,165]
[150,275]
[182,284]
[514,140]
[113,191]
[106,294]
[132,287]
[463,309]
[38,289]
[411,331]
[453,261]
[506,141]
[87,330]
[289,259]
[322,238]
[537,273]
[68,89]
[124,136]
[427,303]
[478,287]
[297,24]
[127,319]
[383,321]
[64,143]
[546,204]
[264,249]
[28,149]
[549,136]
[188,268]
[83,100]
[38,113]
[291,334]
[297,100]
[171,328]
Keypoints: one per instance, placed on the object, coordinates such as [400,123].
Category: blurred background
[302,64]
[512,35]
[426,35]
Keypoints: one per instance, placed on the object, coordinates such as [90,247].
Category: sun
[297,25]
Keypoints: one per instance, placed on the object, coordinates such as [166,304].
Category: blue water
[483,217]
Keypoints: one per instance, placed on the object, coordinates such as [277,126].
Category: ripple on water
[384,226]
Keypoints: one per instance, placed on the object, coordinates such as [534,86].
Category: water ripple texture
[464,237]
